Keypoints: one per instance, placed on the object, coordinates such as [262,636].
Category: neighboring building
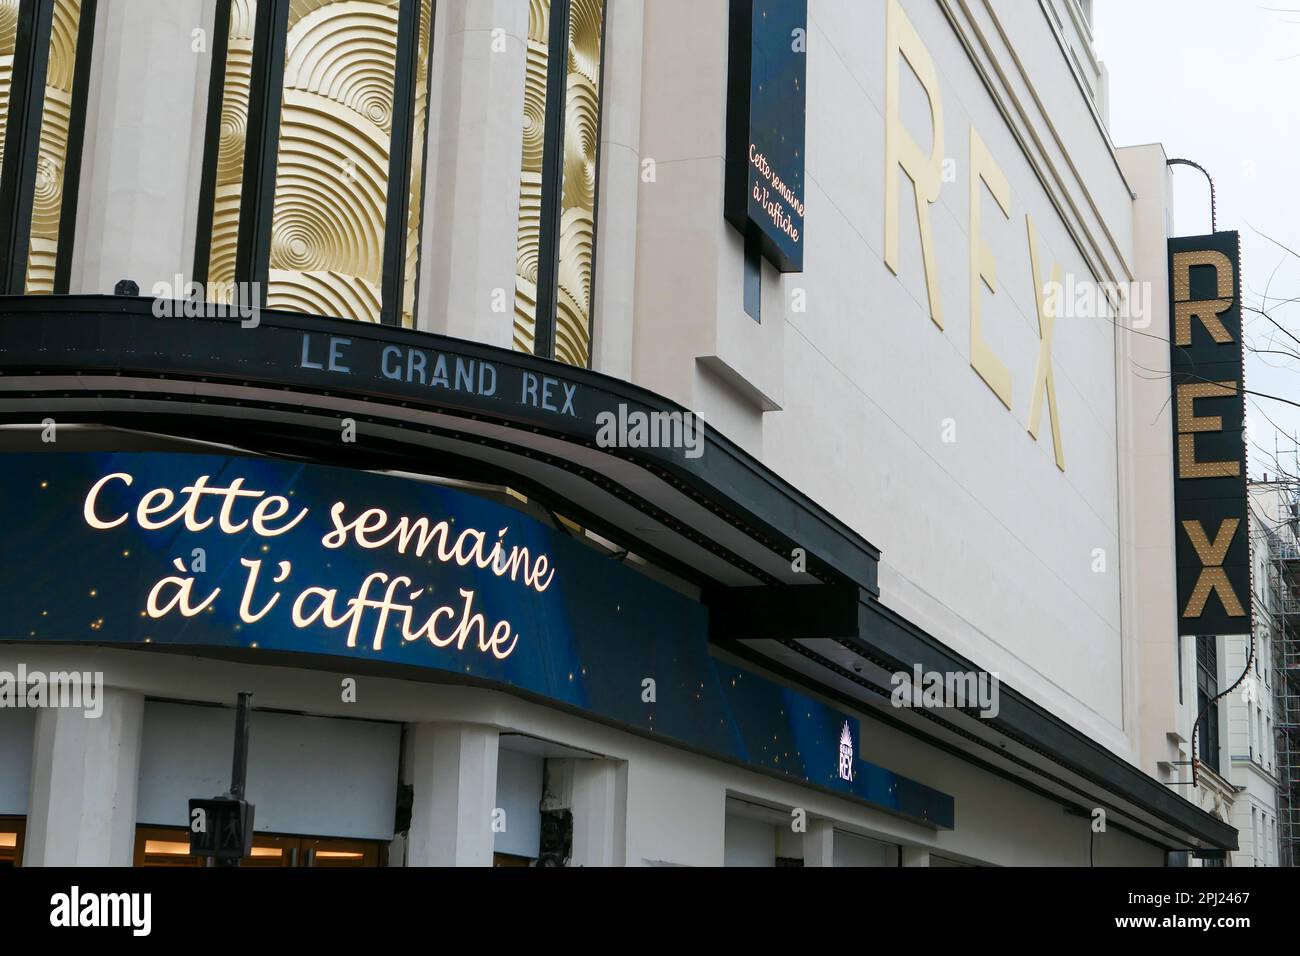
[1248,740]
[1206,708]
[596,647]
[1267,718]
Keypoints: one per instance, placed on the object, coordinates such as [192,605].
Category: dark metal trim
[436,677]
[737,132]
[888,640]
[261,151]
[424,160]
[776,669]
[23,141]
[120,335]
[116,335]
[775,612]
[740,51]
[76,143]
[595,194]
[399,164]
[897,644]
[225,425]
[548,255]
[379,454]
[1214,202]
[752,284]
[212,142]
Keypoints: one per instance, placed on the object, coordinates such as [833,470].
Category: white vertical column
[819,844]
[475,149]
[614,288]
[85,772]
[141,162]
[916,856]
[598,800]
[454,774]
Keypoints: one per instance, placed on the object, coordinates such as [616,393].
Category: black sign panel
[1212,528]
[766,82]
[221,828]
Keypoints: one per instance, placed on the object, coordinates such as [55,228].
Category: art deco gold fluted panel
[8,43]
[530,175]
[578,193]
[55,119]
[230,151]
[578,199]
[418,129]
[331,184]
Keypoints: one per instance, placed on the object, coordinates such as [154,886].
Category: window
[557,181]
[314,156]
[1254,834]
[170,846]
[44,71]
[1250,730]
[751,838]
[12,830]
[1207,688]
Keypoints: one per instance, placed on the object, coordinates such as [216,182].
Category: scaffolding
[1284,626]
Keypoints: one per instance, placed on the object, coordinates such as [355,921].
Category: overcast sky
[1218,82]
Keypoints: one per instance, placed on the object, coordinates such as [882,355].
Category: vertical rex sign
[766,105]
[1212,529]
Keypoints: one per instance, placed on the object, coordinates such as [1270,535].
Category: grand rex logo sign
[1205,359]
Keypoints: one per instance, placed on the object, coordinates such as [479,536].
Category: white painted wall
[749,842]
[83,784]
[1075,29]
[454,776]
[475,142]
[519,793]
[854,850]
[614,291]
[141,163]
[16,729]
[985,542]
[675,801]
[675,809]
[757,837]
[306,775]
[1160,712]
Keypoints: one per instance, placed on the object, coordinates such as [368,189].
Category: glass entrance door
[170,846]
[12,830]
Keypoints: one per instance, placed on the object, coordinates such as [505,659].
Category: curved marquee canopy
[789,587]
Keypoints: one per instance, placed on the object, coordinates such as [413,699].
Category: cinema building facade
[564,420]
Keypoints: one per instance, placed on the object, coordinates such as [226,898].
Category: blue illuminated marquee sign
[764,192]
[262,556]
